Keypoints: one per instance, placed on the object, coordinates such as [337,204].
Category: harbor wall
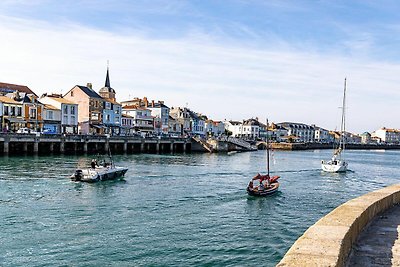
[329,241]
[30,144]
[309,146]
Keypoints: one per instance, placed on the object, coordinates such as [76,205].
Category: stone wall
[328,242]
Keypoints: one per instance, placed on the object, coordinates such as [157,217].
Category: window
[108,117]
[72,120]
[19,111]
[12,111]
[65,119]
[95,116]
[50,114]
[32,113]
[73,110]
[72,93]
[65,109]
[6,110]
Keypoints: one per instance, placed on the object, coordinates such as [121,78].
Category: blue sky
[236,59]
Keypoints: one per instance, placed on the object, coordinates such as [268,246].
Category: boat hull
[263,193]
[339,166]
[98,174]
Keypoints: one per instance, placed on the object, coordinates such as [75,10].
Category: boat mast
[343,125]
[267,150]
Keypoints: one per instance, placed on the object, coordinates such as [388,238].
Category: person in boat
[93,164]
[261,186]
[250,186]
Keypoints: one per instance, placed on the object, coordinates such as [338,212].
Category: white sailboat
[337,163]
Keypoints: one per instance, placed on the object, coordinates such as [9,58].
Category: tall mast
[267,150]
[343,126]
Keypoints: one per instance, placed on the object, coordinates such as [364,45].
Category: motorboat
[96,172]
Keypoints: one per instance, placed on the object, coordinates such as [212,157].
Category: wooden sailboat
[337,163]
[267,185]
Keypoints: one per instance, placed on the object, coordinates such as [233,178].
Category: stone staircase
[242,143]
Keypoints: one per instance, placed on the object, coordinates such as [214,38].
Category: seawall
[329,241]
[307,146]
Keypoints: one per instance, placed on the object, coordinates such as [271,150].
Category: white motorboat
[337,163]
[95,173]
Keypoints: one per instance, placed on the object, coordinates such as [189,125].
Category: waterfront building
[321,135]
[126,124]
[278,133]
[183,117]
[32,111]
[90,108]
[387,135]
[20,108]
[69,112]
[51,119]
[304,132]
[142,119]
[112,119]
[248,129]
[159,111]
[11,114]
[366,138]
[214,128]
[234,128]
[175,128]
[197,123]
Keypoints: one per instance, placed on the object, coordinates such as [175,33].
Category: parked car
[25,130]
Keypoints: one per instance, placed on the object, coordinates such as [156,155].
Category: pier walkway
[379,243]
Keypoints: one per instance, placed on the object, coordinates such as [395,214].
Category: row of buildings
[82,110]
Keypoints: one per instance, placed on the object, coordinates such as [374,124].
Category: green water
[173,210]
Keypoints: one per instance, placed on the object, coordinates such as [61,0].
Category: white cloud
[222,80]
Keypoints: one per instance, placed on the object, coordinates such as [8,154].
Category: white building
[387,135]
[69,112]
[142,119]
[159,111]
[321,135]
[304,132]
[127,124]
[248,129]
[51,119]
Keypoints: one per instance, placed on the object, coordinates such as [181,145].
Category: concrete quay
[338,239]
[60,144]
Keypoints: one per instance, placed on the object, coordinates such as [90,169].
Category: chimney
[89,85]
[152,103]
[146,102]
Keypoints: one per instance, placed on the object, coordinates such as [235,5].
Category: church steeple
[107,80]
[107,91]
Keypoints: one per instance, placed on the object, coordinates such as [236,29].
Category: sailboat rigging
[337,163]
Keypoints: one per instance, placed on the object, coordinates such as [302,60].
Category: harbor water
[173,210]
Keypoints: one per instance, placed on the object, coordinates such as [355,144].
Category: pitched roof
[47,106]
[9,88]
[8,100]
[89,92]
[62,100]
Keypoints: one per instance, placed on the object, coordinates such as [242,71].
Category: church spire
[107,77]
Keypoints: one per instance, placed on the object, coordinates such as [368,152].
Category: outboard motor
[78,175]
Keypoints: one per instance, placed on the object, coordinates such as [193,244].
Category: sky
[232,59]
